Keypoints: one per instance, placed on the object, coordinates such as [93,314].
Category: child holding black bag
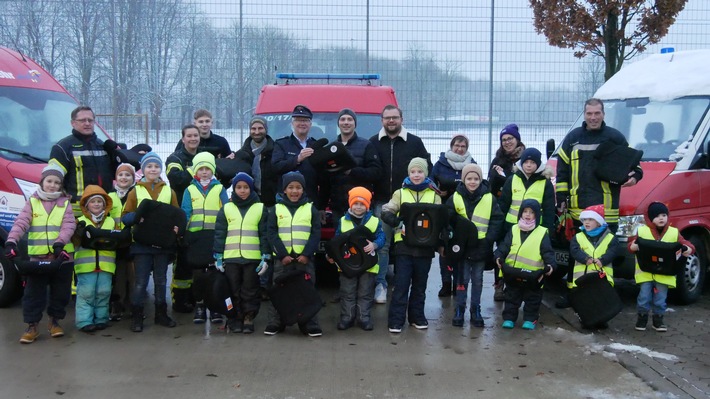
[526,247]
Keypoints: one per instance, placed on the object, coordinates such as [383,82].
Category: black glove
[10,250]
[111,146]
[390,218]
[58,249]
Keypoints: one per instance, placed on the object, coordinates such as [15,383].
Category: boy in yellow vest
[94,268]
[654,287]
[49,219]
[358,293]
[412,264]
[526,246]
[593,249]
[201,201]
[293,231]
[241,250]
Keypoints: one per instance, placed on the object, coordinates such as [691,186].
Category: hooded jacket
[272,228]
[548,254]
[221,229]
[505,161]
[543,172]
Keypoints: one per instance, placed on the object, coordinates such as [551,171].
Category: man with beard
[260,147]
[392,139]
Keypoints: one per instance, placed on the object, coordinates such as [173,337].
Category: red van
[662,105]
[34,115]
[325,95]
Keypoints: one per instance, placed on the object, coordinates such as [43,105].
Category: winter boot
[30,334]
[248,327]
[181,300]
[235,325]
[200,313]
[658,323]
[459,312]
[115,311]
[55,330]
[161,316]
[641,322]
[445,290]
[476,318]
[499,294]
[137,322]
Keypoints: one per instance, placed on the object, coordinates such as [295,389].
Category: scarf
[427,183]
[45,196]
[98,218]
[121,192]
[525,225]
[457,161]
[256,149]
[594,232]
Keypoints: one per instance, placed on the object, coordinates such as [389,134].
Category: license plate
[562,258]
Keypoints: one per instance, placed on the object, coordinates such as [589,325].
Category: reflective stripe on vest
[641,276]
[526,255]
[481,215]
[407,196]
[142,194]
[88,260]
[44,229]
[580,269]
[243,232]
[116,210]
[204,208]
[347,225]
[294,230]
[519,193]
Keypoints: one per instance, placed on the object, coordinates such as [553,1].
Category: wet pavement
[555,360]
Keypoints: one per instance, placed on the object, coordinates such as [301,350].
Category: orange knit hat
[359,194]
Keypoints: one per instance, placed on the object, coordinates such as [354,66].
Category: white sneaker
[380,294]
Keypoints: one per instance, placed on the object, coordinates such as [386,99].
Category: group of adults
[380,165]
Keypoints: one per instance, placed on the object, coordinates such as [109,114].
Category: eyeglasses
[508,139]
[390,118]
[85,120]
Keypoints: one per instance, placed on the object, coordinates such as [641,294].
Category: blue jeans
[409,271]
[383,254]
[473,272]
[652,296]
[145,264]
[93,291]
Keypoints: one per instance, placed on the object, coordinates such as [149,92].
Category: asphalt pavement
[553,361]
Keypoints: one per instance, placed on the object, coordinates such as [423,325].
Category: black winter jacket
[484,248]
[221,228]
[272,229]
[548,197]
[216,144]
[269,177]
[285,159]
[96,167]
[395,155]
[177,170]
[367,171]
[505,161]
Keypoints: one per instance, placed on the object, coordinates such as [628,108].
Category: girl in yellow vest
[593,249]
[201,201]
[49,220]
[149,259]
[654,287]
[293,231]
[474,201]
[357,294]
[124,277]
[241,250]
[526,246]
[94,269]
[412,264]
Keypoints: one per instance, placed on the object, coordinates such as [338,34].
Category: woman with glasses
[511,148]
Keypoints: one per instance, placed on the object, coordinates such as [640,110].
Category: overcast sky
[452,30]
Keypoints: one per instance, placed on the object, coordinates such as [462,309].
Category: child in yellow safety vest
[48,218]
[241,250]
[357,294]
[653,288]
[293,231]
[201,201]
[526,246]
[147,259]
[593,249]
[124,277]
[412,264]
[94,269]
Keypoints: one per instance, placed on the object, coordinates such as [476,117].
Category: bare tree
[614,30]
[591,76]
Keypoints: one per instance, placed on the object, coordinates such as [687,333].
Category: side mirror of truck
[550,147]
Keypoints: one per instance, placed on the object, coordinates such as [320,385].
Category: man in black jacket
[366,172]
[96,166]
[217,145]
[260,148]
[392,139]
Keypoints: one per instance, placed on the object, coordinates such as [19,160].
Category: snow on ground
[630,348]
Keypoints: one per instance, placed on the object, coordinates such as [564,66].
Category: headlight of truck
[628,225]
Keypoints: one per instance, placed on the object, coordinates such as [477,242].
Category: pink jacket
[24,220]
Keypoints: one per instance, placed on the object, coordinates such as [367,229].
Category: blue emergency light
[327,76]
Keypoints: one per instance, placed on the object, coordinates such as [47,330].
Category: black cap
[302,111]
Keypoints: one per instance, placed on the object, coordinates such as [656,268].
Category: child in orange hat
[357,294]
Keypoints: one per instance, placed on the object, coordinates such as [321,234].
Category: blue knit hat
[151,157]
[291,177]
[241,176]
[511,129]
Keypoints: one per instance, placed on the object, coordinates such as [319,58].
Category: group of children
[246,235]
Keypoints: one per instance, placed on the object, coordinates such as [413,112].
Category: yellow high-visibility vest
[243,232]
[641,276]
[294,231]
[347,225]
[580,269]
[204,208]
[481,215]
[407,196]
[88,260]
[44,229]
[519,193]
